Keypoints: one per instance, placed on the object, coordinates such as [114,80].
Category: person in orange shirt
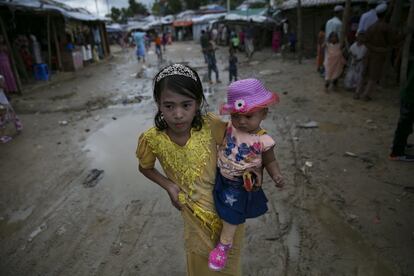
[158,50]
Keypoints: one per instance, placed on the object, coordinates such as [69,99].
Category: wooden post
[12,61]
[103,44]
[406,48]
[299,31]
[345,20]
[104,40]
[396,13]
[49,44]
[108,47]
[59,58]
[395,20]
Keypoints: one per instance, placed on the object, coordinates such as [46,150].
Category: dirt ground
[346,209]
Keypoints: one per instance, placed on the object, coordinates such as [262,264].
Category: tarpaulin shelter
[202,22]
[240,19]
[50,26]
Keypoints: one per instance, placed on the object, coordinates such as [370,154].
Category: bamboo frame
[59,58]
[49,44]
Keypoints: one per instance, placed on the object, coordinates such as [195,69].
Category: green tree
[174,7]
[125,13]
[156,8]
[192,4]
[136,8]
[115,14]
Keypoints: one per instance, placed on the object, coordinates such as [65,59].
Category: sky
[90,5]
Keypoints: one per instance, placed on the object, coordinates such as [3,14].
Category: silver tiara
[176,69]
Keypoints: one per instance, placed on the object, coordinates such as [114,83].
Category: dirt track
[338,215]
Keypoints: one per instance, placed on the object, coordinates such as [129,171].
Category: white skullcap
[381,8]
[338,8]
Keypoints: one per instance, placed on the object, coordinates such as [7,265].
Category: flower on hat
[240,105]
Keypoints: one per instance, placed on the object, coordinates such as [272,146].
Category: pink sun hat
[246,96]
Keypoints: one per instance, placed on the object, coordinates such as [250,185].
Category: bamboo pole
[299,31]
[49,44]
[406,48]
[104,40]
[108,47]
[12,61]
[345,20]
[59,57]
[395,9]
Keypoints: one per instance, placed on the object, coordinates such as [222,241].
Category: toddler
[246,149]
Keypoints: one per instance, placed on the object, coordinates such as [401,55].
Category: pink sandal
[218,257]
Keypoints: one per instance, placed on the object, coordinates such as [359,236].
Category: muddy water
[112,149]
[366,260]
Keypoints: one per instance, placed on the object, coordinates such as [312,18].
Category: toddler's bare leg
[227,233]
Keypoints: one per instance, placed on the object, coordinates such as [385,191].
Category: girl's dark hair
[182,85]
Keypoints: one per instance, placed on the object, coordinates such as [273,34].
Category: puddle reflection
[112,149]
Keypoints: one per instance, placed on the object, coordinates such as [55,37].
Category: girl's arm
[272,167]
[171,188]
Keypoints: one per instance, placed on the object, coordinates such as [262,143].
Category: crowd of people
[237,42]
[359,57]
[370,39]
[373,39]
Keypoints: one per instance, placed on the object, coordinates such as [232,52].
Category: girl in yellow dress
[184,140]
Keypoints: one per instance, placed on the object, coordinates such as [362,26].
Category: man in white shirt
[334,24]
[368,18]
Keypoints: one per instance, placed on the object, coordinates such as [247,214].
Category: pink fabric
[334,61]
[241,150]
[247,95]
[6,71]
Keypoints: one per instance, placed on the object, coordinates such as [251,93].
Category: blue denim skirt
[234,204]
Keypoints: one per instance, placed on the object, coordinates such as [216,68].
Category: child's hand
[279,181]
[258,176]
[173,191]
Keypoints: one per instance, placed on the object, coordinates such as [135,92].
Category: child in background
[334,61]
[246,149]
[320,50]
[235,41]
[358,51]
[140,44]
[212,62]
[232,65]
[158,50]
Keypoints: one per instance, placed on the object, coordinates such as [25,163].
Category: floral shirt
[241,150]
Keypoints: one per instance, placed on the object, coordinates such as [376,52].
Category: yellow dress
[193,168]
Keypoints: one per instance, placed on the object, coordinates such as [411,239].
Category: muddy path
[339,214]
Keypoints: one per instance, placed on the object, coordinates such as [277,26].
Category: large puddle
[112,149]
